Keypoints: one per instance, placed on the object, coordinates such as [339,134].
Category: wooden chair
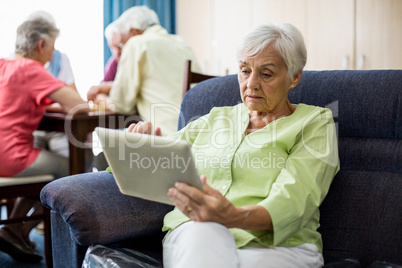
[192,77]
[30,186]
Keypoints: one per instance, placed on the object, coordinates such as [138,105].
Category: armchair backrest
[215,92]
[365,103]
[361,215]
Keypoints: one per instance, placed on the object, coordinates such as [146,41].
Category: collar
[156,29]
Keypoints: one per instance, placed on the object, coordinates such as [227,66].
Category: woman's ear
[41,45]
[134,32]
[296,79]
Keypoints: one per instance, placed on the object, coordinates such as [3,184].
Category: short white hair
[42,14]
[30,32]
[138,17]
[287,40]
[111,29]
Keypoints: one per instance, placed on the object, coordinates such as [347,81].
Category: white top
[66,72]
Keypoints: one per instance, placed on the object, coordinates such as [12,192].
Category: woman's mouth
[253,97]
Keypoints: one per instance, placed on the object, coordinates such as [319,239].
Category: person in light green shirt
[266,166]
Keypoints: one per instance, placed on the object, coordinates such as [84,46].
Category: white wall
[81,33]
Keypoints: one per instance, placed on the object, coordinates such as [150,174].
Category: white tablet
[146,166]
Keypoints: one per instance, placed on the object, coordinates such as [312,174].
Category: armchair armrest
[98,213]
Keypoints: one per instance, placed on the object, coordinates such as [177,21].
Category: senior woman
[267,165]
[26,88]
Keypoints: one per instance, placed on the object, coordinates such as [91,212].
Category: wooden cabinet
[354,34]
[329,34]
[378,34]
[339,34]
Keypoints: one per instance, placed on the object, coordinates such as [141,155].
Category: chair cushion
[11,181]
[347,263]
[361,216]
[384,264]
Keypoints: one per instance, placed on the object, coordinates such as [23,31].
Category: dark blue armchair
[360,218]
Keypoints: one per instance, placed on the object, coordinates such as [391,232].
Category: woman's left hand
[144,128]
[209,205]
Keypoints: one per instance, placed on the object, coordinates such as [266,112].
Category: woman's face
[116,46]
[263,82]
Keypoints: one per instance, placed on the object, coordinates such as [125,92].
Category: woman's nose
[253,81]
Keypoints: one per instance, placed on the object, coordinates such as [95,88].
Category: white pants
[208,244]
[55,142]
[48,163]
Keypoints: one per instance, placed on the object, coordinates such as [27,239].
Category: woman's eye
[266,75]
[244,71]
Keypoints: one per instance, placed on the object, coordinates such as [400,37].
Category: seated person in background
[112,35]
[150,74]
[26,89]
[59,66]
[267,165]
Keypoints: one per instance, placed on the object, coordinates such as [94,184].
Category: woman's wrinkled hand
[202,206]
[92,92]
[144,128]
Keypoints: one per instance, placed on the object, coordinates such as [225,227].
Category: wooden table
[78,126]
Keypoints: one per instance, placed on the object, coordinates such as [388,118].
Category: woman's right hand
[102,88]
[144,128]
[92,92]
